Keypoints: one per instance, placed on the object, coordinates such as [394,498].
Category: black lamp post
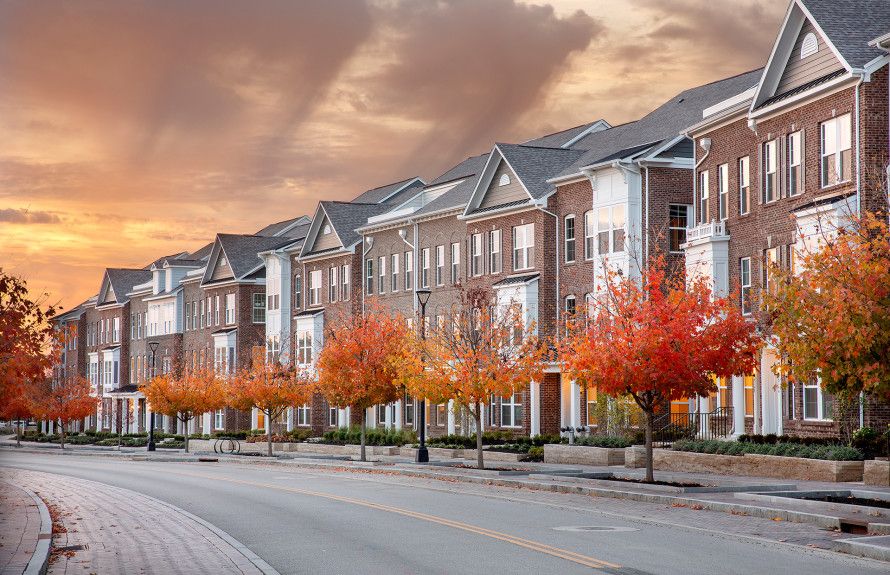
[153,346]
[423,455]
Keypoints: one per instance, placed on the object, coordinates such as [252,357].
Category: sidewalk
[104,529]
[25,530]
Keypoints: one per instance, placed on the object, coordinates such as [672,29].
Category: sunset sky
[136,129]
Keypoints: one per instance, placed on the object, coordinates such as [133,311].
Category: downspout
[413,247]
[646,231]
[862,78]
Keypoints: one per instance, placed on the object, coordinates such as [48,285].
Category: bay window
[589,235]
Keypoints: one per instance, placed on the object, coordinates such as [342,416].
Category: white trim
[312,235]
[486,178]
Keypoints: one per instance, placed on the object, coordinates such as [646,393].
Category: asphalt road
[312,521]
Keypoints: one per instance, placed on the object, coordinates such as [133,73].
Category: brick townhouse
[779,163]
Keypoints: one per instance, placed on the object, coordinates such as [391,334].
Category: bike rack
[227,446]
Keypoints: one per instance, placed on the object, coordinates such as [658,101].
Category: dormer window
[809,46]
[326,230]
[505,179]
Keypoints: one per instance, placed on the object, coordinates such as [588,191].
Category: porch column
[114,411]
[147,422]
[576,404]
[451,426]
[207,424]
[254,418]
[136,415]
[290,418]
[738,405]
[398,422]
[343,417]
[535,408]
[758,417]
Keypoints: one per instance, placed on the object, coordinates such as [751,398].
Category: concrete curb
[40,560]
[865,547]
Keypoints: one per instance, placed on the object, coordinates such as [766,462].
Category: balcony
[707,255]
[712,229]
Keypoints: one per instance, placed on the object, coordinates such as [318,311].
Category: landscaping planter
[439,452]
[751,464]
[493,455]
[583,455]
[875,472]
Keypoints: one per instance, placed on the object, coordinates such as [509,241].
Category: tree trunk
[364,417]
[269,430]
[185,434]
[478,415]
[62,436]
[18,434]
[649,463]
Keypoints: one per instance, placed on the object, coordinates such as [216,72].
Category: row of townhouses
[724,178]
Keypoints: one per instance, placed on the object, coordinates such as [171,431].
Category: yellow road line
[518,541]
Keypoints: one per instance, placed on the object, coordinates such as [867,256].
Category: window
[748,385]
[809,46]
[494,252]
[133,325]
[570,306]
[589,235]
[345,291]
[298,292]
[333,283]
[704,196]
[524,247]
[723,191]
[441,414]
[476,255]
[795,153]
[216,310]
[219,419]
[440,265]
[511,411]
[315,287]
[409,411]
[455,263]
[273,348]
[381,271]
[504,180]
[333,416]
[592,419]
[770,259]
[304,415]
[425,268]
[381,413]
[816,403]
[369,276]
[394,283]
[409,270]
[678,223]
[770,171]
[259,310]
[618,222]
[569,239]
[210,310]
[745,280]
[744,185]
[202,315]
[610,228]
[836,153]
[304,347]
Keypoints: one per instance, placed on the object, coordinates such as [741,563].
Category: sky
[132,130]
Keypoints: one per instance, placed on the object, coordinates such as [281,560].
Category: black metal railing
[671,427]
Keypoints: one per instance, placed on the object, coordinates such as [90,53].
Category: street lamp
[423,456]
[153,346]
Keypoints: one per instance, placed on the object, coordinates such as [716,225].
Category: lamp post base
[423,455]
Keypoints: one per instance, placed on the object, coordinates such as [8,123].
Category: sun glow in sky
[137,129]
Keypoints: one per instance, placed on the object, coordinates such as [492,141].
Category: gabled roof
[388,193]
[567,138]
[471,166]
[850,25]
[241,253]
[662,123]
[120,281]
[345,218]
[293,228]
[203,253]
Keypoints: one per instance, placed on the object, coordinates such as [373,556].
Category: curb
[863,547]
[40,560]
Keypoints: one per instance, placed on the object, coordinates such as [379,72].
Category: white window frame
[455,263]
[671,227]
[770,171]
[590,242]
[315,287]
[704,195]
[425,268]
[219,419]
[569,239]
[260,298]
[440,265]
[794,148]
[381,275]
[346,282]
[745,283]
[369,276]
[723,192]
[744,185]
[409,270]
[511,403]
[216,312]
[333,283]
[821,396]
[524,247]
[230,308]
[495,261]
[304,415]
[837,132]
[476,261]
[394,273]
[304,347]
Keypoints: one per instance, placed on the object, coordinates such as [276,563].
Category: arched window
[505,179]
[809,46]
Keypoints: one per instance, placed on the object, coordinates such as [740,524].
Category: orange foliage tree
[186,395]
[26,345]
[366,360]
[482,349]
[65,400]
[833,318]
[657,339]
[270,387]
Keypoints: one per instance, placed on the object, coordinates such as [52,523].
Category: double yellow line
[519,541]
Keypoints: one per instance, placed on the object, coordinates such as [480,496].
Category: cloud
[22,216]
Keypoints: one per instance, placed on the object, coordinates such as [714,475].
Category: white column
[136,415]
[451,426]
[290,418]
[535,408]
[114,415]
[147,417]
[399,412]
[576,404]
[343,417]
[738,405]
[207,424]
[254,419]
[482,419]
[758,418]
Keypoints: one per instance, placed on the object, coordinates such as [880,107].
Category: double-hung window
[569,227]
[409,270]
[678,222]
[425,268]
[770,171]
[440,265]
[836,151]
[394,273]
[298,292]
[455,263]
[610,230]
[345,290]
[216,311]
[219,419]
[304,347]
[304,415]
[476,261]
[230,308]
[523,247]
[315,287]
[704,193]
[570,305]
[590,235]
[795,157]
[511,411]
[210,309]
[259,309]
[333,283]
[202,317]
[369,276]
[723,191]
[770,260]
[494,252]
[409,411]
[817,403]
[381,277]
[745,281]
[744,185]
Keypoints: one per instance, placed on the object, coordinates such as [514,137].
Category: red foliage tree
[65,400]
[657,339]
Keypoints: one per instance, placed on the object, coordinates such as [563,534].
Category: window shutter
[803,161]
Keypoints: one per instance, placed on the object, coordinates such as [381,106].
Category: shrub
[352,436]
[603,441]
[825,452]
[535,453]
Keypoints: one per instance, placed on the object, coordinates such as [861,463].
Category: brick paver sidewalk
[19,529]
[106,529]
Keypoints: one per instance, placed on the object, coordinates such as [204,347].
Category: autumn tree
[270,387]
[366,360]
[15,404]
[483,348]
[832,319]
[656,339]
[64,400]
[185,395]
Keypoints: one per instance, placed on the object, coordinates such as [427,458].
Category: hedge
[826,452]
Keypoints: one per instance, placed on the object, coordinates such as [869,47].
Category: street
[314,521]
